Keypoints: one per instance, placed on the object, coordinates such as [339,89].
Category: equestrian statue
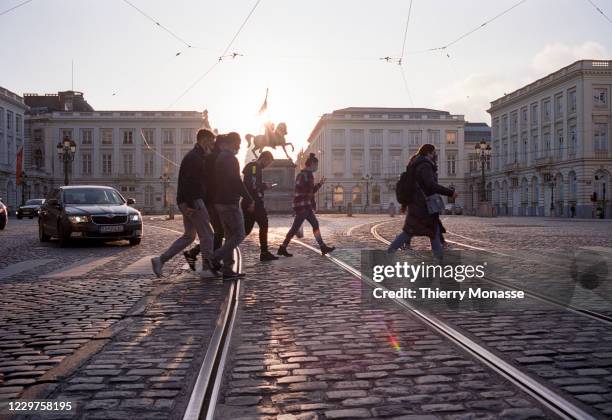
[273,137]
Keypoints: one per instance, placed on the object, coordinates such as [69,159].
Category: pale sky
[314,56]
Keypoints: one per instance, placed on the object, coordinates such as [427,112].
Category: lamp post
[553,185]
[66,150]
[484,151]
[165,179]
[367,180]
[24,178]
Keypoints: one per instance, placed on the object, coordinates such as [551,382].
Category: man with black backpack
[418,193]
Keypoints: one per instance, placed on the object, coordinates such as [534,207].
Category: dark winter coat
[418,220]
[191,178]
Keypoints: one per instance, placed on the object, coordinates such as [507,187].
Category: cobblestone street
[91,324]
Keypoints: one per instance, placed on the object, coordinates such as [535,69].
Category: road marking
[142,266]
[17,268]
[79,268]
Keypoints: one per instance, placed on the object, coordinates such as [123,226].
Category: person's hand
[267,185]
[403,209]
[455,194]
[322,181]
[189,211]
[251,207]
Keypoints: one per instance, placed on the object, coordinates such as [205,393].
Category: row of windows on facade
[550,147]
[395,137]
[127,136]
[10,120]
[148,164]
[375,161]
[600,100]
[355,196]
[8,149]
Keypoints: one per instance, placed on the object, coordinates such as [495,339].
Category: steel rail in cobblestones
[540,392]
[205,394]
[532,294]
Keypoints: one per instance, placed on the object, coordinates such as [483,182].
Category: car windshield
[92,196]
[35,202]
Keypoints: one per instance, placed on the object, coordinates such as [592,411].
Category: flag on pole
[19,166]
[264,106]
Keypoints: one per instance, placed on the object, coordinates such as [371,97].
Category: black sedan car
[30,208]
[89,212]
[3,215]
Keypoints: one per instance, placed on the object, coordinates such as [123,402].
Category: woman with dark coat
[419,222]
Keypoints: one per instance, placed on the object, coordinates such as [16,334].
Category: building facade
[128,150]
[362,152]
[551,145]
[12,129]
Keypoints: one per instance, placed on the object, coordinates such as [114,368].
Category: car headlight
[134,218]
[78,219]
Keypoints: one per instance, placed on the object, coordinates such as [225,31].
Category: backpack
[404,188]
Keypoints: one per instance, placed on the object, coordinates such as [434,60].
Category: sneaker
[191,260]
[157,265]
[327,249]
[283,251]
[267,256]
[208,265]
[215,264]
[230,274]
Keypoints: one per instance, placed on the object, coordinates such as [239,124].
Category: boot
[267,256]
[327,249]
[282,250]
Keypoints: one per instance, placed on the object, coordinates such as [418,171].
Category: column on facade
[96,156]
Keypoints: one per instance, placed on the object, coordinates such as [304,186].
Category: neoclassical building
[12,111]
[551,145]
[129,150]
[362,152]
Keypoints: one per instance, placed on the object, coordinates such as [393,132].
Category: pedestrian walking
[418,190]
[304,206]
[230,189]
[211,187]
[253,181]
[191,197]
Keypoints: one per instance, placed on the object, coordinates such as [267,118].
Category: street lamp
[66,150]
[165,179]
[484,151]
[24,178]
[367,180]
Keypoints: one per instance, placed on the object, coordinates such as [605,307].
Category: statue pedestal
[485,209]
[280,198]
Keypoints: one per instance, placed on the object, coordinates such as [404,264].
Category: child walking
[304,206]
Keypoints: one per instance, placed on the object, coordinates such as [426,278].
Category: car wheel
[42,236]
[19,217]
[31,217]
[64,239]
[135,241]
[2,225]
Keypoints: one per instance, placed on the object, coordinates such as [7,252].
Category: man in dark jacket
[419,221]
[253,181]
[211,187]
[191,197]
[227,202]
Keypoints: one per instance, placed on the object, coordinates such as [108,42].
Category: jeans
[195,222]
[232,220]
[300,216]
[261,217]
[403,237]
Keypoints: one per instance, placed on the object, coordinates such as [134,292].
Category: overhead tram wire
[470,32]
[223,56]
[600,11]
[162,27]
[4,12]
